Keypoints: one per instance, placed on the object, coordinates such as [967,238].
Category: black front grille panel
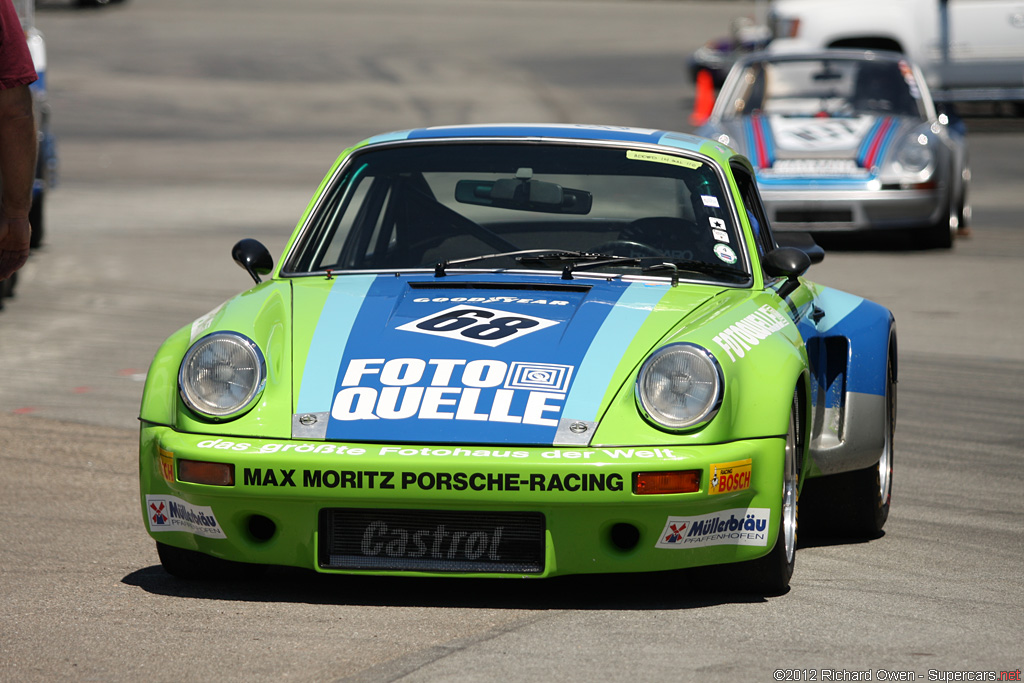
[814,216]
[432,540]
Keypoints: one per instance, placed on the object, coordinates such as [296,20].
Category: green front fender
[263,314]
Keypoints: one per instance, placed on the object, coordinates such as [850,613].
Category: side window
[755,209]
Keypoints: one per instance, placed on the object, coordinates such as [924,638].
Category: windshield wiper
[593,260]
[573,257]
[541,255]
[439,269]
[693,267]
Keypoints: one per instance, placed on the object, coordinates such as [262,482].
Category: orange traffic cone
[704,100]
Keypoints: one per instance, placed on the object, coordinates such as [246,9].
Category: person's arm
[17,174]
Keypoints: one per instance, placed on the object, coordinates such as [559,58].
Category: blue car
[46,158]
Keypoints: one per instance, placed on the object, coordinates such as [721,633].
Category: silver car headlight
[679,387]
[222,374]
[915,158]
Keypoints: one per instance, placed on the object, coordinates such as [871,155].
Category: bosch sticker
[166,464]
[728,477]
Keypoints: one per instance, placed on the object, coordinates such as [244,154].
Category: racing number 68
[477,324]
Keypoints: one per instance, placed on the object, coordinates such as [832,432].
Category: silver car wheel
[789,490]
[885,461]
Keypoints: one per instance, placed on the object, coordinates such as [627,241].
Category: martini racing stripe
[760,140]
[876,142]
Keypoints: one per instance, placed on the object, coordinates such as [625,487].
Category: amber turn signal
[211,473]
[680,481]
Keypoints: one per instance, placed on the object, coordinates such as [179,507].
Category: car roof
[787,55]
[527,132]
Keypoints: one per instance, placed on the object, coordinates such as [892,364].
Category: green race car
[522,351]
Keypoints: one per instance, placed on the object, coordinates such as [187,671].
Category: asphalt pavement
[184,126]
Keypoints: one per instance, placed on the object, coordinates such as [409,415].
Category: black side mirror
[804,241]
[253,257]
[787,262]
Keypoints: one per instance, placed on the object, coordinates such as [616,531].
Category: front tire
[770,575]
[940,235]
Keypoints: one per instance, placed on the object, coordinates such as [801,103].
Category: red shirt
[16,66]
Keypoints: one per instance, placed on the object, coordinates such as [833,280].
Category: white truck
[969,50]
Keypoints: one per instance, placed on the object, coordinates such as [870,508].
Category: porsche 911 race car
[521,351]
[846,140]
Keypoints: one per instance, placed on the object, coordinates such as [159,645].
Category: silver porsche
[846,140]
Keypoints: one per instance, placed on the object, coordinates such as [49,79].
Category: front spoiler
[805,209]
[585,495]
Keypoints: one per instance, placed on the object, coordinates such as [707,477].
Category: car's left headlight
[915,159]
[680,387]
[222,374]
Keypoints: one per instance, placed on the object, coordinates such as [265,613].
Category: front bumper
[853,209]
[274,512]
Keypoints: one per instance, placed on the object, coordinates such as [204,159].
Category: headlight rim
[915,142]
[252,395]
[710,411]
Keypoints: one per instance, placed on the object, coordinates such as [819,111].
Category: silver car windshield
[825,87]
[524,206]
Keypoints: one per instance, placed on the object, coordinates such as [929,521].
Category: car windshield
[530,206]
[825,87]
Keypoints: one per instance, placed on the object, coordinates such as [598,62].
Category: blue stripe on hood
[468,359]
[344,301]
[607,349]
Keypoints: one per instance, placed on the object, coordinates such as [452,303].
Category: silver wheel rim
[885,461]
[789,492]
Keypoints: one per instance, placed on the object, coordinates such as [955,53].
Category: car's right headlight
[680,387]
[915,160]
[222,374]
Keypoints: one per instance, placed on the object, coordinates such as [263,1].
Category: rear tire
[192,565]
[964,212]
